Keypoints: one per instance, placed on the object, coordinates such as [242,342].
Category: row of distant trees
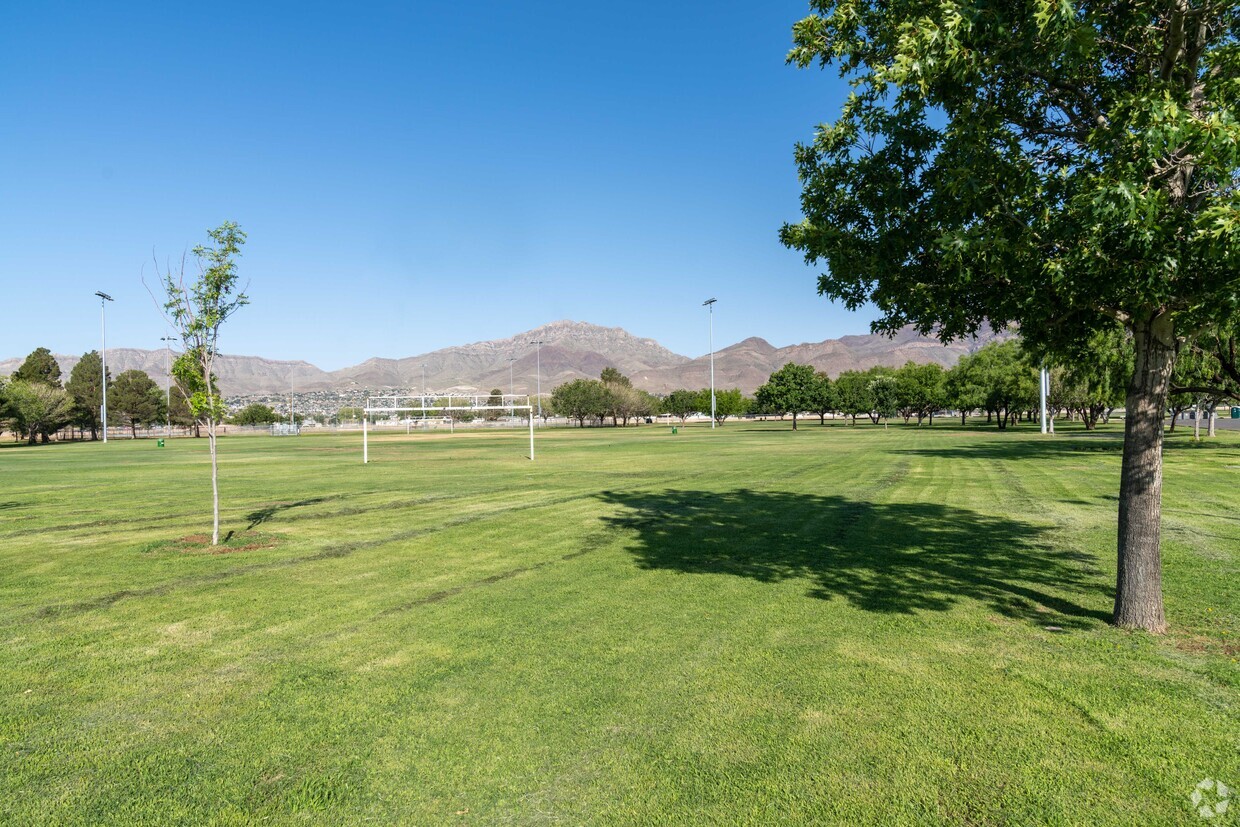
[1000,381]
[997,380]
[35,403]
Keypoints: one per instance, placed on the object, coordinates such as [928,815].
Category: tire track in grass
[591,542]
[343,550]
[146,522]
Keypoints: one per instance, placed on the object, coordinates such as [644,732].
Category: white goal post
[436,404]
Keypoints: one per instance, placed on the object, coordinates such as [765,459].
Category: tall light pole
[104,298]
[168,340]
[1044,382]
[511,391]
[538,343]
[710,305]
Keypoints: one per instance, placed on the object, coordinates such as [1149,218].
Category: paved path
[1224,421]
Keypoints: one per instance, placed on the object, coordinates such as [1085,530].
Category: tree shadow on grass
[891,558]
[262,515]
[1022,449]
[1110,443]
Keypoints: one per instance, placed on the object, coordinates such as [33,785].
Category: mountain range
[569,350]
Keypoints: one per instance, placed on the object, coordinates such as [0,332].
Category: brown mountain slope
[237,374]
[571,350]
[747,364]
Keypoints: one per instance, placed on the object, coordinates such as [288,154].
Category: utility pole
[709,304]
[168,340]
[1045,387]
[104,298]
[538,372]
[511,392]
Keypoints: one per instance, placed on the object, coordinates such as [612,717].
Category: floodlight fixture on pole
[710,305]
[168,340]
[104,298]
[538,343]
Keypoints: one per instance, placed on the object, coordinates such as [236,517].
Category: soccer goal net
[441,405]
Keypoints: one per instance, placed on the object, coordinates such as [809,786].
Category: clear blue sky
[411,175]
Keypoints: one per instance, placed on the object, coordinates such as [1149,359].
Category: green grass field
[746,626]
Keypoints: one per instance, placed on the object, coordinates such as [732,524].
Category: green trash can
[159,443]
[1235,412]
[673,429]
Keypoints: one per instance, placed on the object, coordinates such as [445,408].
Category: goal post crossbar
[434,408]
[477,402]
[449,401]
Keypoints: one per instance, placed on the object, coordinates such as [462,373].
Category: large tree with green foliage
[581,399]
[885,391]
[682,402]
[822,396]
[496,398]
[920,388]
[730,402]
[180,413]
[197,311]
[37,409]
[137,399]
[852,394]
[1006,379]
[85,385]
[1061,165]
[256,413]
[788,390]
[41,367]
[962,387]
[621,399]
[1094,382]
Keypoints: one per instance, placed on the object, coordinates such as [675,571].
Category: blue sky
[411,175]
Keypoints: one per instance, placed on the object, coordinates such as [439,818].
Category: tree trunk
[215,485]
[963,414]
[1211,432]
[794,420]
[1138,593]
